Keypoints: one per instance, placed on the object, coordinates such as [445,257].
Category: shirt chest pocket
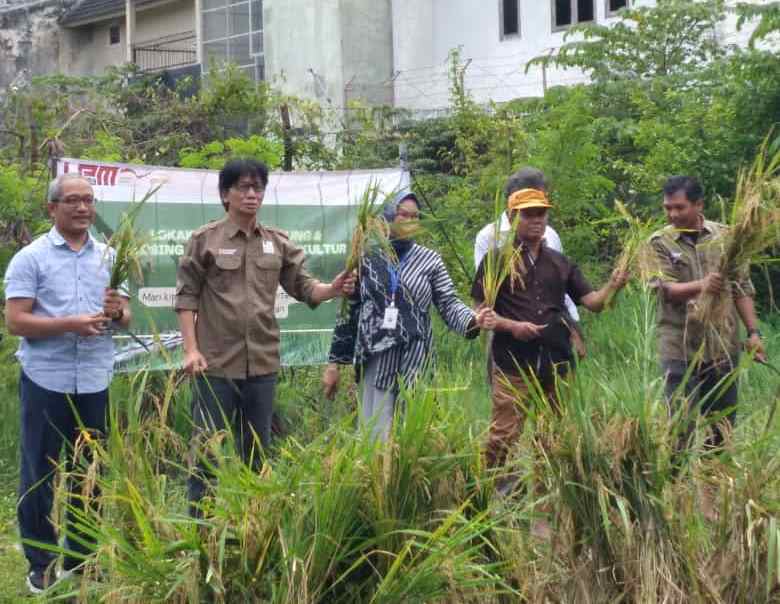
[682,265]
[267,269]
[225,272]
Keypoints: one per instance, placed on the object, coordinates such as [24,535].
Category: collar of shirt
[58,240]
[708,229]
[232,229]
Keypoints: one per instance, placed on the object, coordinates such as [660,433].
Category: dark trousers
[704,387]
[243,406]
[47,423]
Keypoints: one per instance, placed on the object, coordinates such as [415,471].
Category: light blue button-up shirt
[63,282]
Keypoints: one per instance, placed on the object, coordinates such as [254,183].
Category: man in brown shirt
[532,341]
[225,293]
[688,252]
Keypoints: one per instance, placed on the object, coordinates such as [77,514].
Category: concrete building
[333,51]
[496,39]
[153,34]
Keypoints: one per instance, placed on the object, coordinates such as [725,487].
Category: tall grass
[334,516]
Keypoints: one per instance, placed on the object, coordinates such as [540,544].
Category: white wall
[329,50]
[425,31]
[496,71]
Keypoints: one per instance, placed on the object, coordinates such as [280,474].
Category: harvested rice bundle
[128,245]
[505,261]
[754,227]
[636,253]
[371,232]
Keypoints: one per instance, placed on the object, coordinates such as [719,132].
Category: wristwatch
[754,332]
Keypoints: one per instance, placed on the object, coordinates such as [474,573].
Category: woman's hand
[330,380]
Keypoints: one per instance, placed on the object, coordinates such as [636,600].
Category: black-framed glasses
[244,187]
[74,201]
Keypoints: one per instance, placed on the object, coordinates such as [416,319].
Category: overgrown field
[334,518]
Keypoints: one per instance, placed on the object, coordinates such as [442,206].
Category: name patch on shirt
[268,247]
[226,252]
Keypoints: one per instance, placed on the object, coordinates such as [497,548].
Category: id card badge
[268,247]
[391,318]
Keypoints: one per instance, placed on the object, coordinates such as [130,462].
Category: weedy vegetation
[333,516]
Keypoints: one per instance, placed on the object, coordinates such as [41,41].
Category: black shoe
[39,581]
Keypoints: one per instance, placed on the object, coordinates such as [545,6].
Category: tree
[769,19]
[675,38]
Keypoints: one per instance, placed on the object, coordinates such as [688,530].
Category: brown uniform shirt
[230,279]
[680,335]
[541,301]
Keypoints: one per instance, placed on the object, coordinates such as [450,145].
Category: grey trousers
[378,405]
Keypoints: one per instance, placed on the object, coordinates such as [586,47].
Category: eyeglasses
[74,201]
[244,188]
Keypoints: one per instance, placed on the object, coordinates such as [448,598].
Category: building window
[113,34]
[613,6]
[571,12]
[232,32]
[510,18]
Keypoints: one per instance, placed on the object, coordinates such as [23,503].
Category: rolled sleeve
[21,277]
[189,279]
[458,317]
[577,286]
[294,278]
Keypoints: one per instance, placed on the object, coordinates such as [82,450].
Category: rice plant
[333,516]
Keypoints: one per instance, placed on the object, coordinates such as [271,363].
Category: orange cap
[527,198]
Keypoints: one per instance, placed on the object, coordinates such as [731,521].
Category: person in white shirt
[528,178]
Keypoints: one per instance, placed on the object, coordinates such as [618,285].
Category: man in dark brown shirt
[532,341]
[225,294]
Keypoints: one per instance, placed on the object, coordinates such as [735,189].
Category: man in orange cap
[531,343]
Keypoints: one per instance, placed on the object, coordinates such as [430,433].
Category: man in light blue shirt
[58,301]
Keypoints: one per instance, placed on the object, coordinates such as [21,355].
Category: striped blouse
[408,348]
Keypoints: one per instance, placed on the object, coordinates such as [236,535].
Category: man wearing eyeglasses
[58,302]
[225,294]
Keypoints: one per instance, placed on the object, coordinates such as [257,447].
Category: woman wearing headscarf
[387,333]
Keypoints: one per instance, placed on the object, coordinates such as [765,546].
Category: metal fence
[176,50]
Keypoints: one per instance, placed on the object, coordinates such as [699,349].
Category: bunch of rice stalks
[754,227]
[371,232]
[503,262]
[635,254]
[128,245]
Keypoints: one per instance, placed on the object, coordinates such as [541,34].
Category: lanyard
[395,276]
